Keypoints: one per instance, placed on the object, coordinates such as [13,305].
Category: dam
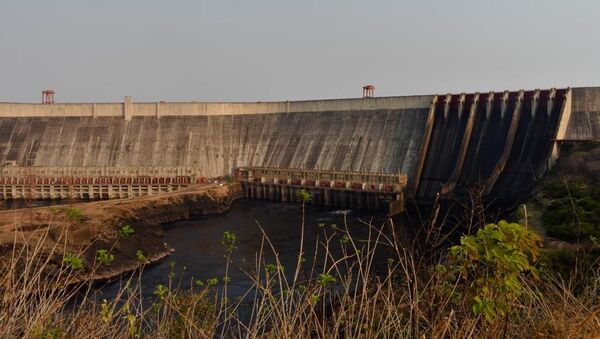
[502,141]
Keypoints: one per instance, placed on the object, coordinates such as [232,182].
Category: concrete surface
[584,122]
[373,141]
[492,141]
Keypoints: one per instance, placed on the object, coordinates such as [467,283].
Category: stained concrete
[385,140]
[506,150]
[472,138]
[584,123]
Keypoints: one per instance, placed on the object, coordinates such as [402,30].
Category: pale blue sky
[101,50]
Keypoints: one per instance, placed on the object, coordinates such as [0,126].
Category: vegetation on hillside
[567,203]
[566,209]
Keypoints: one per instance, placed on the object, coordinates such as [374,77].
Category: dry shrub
[354,292]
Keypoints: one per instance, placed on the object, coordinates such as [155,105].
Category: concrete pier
[326,188]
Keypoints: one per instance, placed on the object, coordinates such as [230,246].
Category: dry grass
[343,297]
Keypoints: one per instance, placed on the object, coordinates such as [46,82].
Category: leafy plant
[228,241]
[126,231]
[325,279]
[161,291]
[48,332]
[345,239]
[304,196]
[131,322]
[314,299]
[139,254]
[73,260]
[75,214]
[103,257]
[491,264]
[105,311]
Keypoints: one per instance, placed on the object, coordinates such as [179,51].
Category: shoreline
[51,229]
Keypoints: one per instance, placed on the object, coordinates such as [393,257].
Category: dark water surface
[199,253]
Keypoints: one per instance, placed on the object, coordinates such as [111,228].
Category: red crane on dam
[47,96]
[368,91]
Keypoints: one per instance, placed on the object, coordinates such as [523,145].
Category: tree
[492,263]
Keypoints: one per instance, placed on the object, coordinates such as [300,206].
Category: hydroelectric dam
[364,150]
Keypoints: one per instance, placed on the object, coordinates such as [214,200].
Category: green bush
[491,264]
[572,209]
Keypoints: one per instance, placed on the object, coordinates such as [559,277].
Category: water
[199,253]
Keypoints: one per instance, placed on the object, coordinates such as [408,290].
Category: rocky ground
[82,229]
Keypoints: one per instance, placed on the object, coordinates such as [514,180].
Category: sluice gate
[381,191]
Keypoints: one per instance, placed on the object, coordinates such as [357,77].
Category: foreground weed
[126,231]
[74,214]
[103,257]
[73,261]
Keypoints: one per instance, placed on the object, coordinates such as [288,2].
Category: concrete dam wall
[348,137]
[502,140]
[584,119]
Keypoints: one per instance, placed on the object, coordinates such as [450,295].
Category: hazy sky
[102,50]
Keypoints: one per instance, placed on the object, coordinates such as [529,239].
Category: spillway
[499,140]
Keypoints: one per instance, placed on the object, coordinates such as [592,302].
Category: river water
[199,253]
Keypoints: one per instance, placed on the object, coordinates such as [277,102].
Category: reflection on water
[199,253]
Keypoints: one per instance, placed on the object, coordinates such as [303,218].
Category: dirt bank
[83,229]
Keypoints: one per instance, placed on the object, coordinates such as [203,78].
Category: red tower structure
[368,91]
[47,96]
